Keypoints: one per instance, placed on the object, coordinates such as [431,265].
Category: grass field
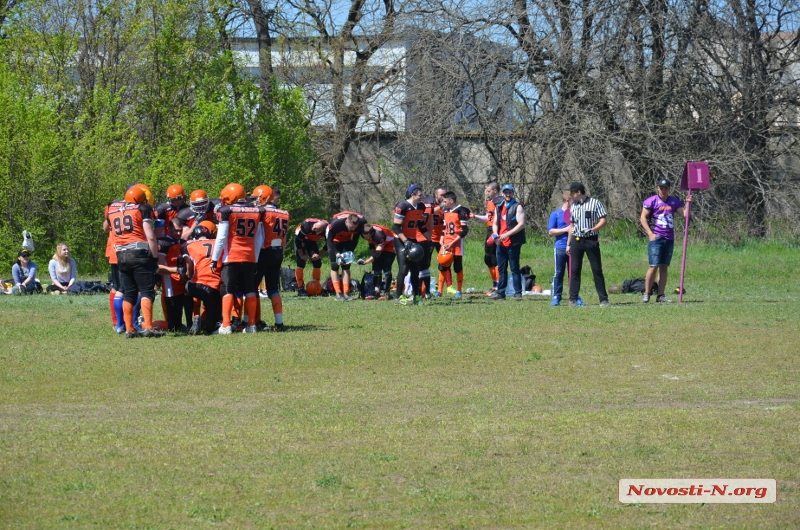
[467,414]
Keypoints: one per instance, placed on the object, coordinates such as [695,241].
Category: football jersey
[190,218]
[167,212]
[111,250]
[276,225]
[127,222]
[413,220]
[305,231]
[172,251]
[388,241]
[245,233]
[435,212]
[199,251]
[491,207]
[455,222]
[338,231]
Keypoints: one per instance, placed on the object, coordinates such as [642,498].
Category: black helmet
[413,251]
[201,231]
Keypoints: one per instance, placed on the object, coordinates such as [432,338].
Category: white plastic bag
[27,241]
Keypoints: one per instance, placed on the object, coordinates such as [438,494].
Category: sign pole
[685,243]
[695,177]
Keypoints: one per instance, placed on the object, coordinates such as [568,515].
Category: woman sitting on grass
[63,270]
[24,273]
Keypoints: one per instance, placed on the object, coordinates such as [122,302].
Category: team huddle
[211,255]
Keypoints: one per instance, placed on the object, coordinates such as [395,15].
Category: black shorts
[238,277]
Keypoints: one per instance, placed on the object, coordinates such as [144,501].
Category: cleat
[279,328]
[518,297]
[403,300]
[662,299]
[152,333]
[556,301]
[496,295]
[132,334]
[301,291]
[645,298]
[339,297]
[119,330]
[348,297]
[195,329]
[491,291]
[250,329]
[261,325]
[437,294]
[458,295]
[228,330]
[605,303]
[451,290]
[577,303]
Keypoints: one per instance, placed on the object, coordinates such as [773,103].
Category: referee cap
[577,186]
[664,183]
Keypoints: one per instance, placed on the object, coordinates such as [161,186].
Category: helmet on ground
[262,195]
[147,193]
[136,195]
[413,251]
[176,191]
[313,288]
[232,193]
[198,201]
[445,258]
[204,229]
[345,258]
[536,289]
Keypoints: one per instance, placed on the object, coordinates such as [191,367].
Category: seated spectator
[63,270]
[24,273]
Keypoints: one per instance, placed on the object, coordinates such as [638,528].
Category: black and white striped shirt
[585,215]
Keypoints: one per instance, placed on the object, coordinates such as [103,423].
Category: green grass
[465,414]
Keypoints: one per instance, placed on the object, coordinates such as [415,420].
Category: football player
[204,283]
[342,236]
[382,256]
[454,218]
[306,248]
[493,200]
[412,224]
[172,267]
[276,226]
[176,201]
[115,297]
[200,209]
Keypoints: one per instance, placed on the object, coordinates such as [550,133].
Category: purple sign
[695,176]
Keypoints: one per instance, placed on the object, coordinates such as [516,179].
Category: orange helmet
[151,200]
[232,193]
[198,201]
[445,258]
[176,191]
[136,195]
[262,195]
[313,288]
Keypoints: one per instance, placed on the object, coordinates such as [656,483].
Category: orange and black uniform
[455,230]
[167,212]
[341,239]
[173,296]
[307,240]
[383,261]
[137,266]
[191,218]
[489,251]
[204,283]
[413,222]
[276,228]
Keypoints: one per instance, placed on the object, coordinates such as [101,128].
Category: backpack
[636,285]
[367,285]
[528,278]
[288,281]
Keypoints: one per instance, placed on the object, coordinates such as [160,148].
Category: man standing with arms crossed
[588,217]
[508,234]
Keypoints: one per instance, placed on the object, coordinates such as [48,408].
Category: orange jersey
[111,250]
[455,226]
[305,231]
[437,218]
[388,242]
[491,207]
[199,252]
[244,232]
[413,220]
[337,229]
[127,222]
[172,251]
[276,225]
[168,212]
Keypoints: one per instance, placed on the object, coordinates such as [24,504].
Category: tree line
[96,95]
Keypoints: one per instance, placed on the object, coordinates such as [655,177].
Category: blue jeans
[509,256]
[659,252]
[561,267]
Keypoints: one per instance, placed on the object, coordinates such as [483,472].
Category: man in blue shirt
[559,226]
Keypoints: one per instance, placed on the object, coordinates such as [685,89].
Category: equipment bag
[288,281]
[367,285]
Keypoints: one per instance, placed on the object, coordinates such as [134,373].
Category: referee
[588,217]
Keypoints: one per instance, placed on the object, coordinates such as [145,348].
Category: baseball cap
[23,252]
[507,187]
[159,223]
[664,183]
[577,186]
[411,189]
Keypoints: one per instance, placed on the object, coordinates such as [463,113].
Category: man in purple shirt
[658,221]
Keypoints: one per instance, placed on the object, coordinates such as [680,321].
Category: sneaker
[384,297]
[451,290]
[261,325]
[491,291]
[556,301]
[605,303]
[301,291]
[518,297]
[348,297]
[645,298]
[119,330]
[195,329]
[404,300]
[417,300]
[427,296]
[437,294]
[250,329]
[279,328]
[369,298]
[662,299]
[458,295]
[152,333]
[228,330]
[132,334]
[577,303]
[339,297]
[496,295]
